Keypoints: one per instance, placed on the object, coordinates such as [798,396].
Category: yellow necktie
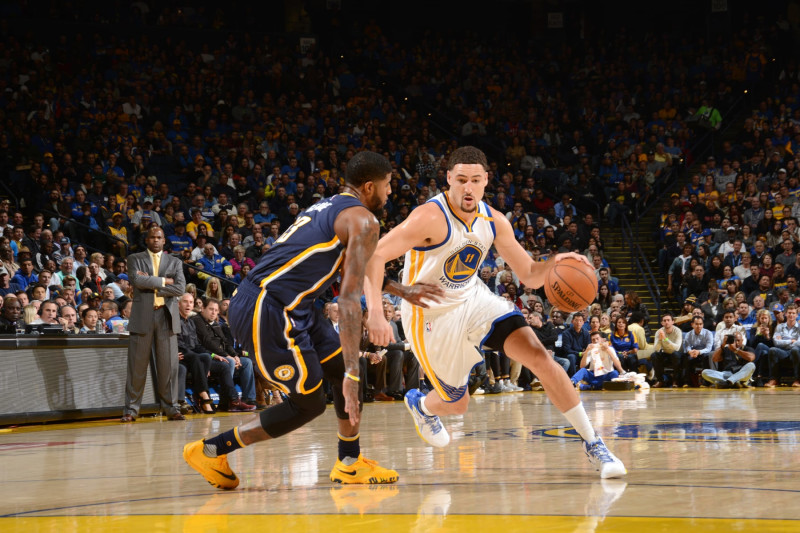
[157,300]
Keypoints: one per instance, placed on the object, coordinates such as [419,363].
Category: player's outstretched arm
[423,226]
[531,273]
[419,294]
[357,228]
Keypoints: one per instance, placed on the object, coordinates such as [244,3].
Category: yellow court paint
[389,523]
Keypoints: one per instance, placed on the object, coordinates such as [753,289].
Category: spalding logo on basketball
[461,266]
[571,285]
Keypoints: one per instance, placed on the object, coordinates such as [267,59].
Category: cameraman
[735,363]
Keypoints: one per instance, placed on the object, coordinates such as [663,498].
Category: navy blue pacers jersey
[272,313]
[304,260]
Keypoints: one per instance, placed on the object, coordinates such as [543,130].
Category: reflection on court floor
[695,459]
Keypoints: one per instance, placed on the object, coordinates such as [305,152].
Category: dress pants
[396,359]
[663,359]
[198,365]
[161,342]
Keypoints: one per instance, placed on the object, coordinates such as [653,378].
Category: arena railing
[641,265]
[105,235]
[704,146]
[10,194]
[205,273]
[89,230]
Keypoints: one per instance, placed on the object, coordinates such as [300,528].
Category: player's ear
[368,188]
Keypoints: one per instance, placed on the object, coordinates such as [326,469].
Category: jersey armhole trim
[449,230]
[490,218]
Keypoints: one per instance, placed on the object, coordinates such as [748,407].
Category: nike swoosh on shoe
[232,477]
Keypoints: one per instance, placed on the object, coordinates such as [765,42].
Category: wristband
[351,376]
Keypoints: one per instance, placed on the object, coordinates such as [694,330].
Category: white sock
[577,417]
[423,409]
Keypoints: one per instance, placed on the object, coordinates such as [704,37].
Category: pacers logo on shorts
[460,266]
[284,372]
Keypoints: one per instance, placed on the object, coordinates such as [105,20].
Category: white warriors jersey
[454,263]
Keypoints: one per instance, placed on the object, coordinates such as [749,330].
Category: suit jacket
[144,288]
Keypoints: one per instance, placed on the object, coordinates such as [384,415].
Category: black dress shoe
[127,419]
[176,416]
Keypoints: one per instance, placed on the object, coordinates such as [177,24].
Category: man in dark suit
[399,355]
[212,338]
[158,283]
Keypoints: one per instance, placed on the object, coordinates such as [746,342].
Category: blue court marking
[761,431]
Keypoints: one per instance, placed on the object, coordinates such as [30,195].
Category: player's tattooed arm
[417,294]
[358,230]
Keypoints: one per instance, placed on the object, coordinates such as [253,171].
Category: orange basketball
[570,285]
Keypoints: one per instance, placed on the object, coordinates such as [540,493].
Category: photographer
[735,363]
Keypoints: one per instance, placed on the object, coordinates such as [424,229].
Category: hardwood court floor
[717,460]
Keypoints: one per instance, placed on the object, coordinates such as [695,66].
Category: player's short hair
[467,155]
[366,166]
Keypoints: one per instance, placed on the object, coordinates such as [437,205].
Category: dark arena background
[661,141]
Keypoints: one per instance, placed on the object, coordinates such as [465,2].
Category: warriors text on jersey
[453,263]
[311,242]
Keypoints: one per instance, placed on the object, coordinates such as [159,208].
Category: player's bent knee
[295,412]
[311,405]
[541,362]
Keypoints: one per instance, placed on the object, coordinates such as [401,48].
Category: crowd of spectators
[224,145]
[730,244]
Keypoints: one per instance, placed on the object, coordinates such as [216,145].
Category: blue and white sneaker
[429,428]
[603,460]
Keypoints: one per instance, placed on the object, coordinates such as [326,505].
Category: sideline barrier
[47,379]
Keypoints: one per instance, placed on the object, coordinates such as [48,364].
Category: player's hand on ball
[419,292]
[350,392]
[573,255]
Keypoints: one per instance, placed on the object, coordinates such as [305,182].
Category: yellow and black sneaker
[214,469]
[363,471]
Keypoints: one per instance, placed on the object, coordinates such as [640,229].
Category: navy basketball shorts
[290,347]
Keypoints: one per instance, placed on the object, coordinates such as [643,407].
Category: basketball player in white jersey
[445,241]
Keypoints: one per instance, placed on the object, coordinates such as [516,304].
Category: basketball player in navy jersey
[445,241]
[273,315]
